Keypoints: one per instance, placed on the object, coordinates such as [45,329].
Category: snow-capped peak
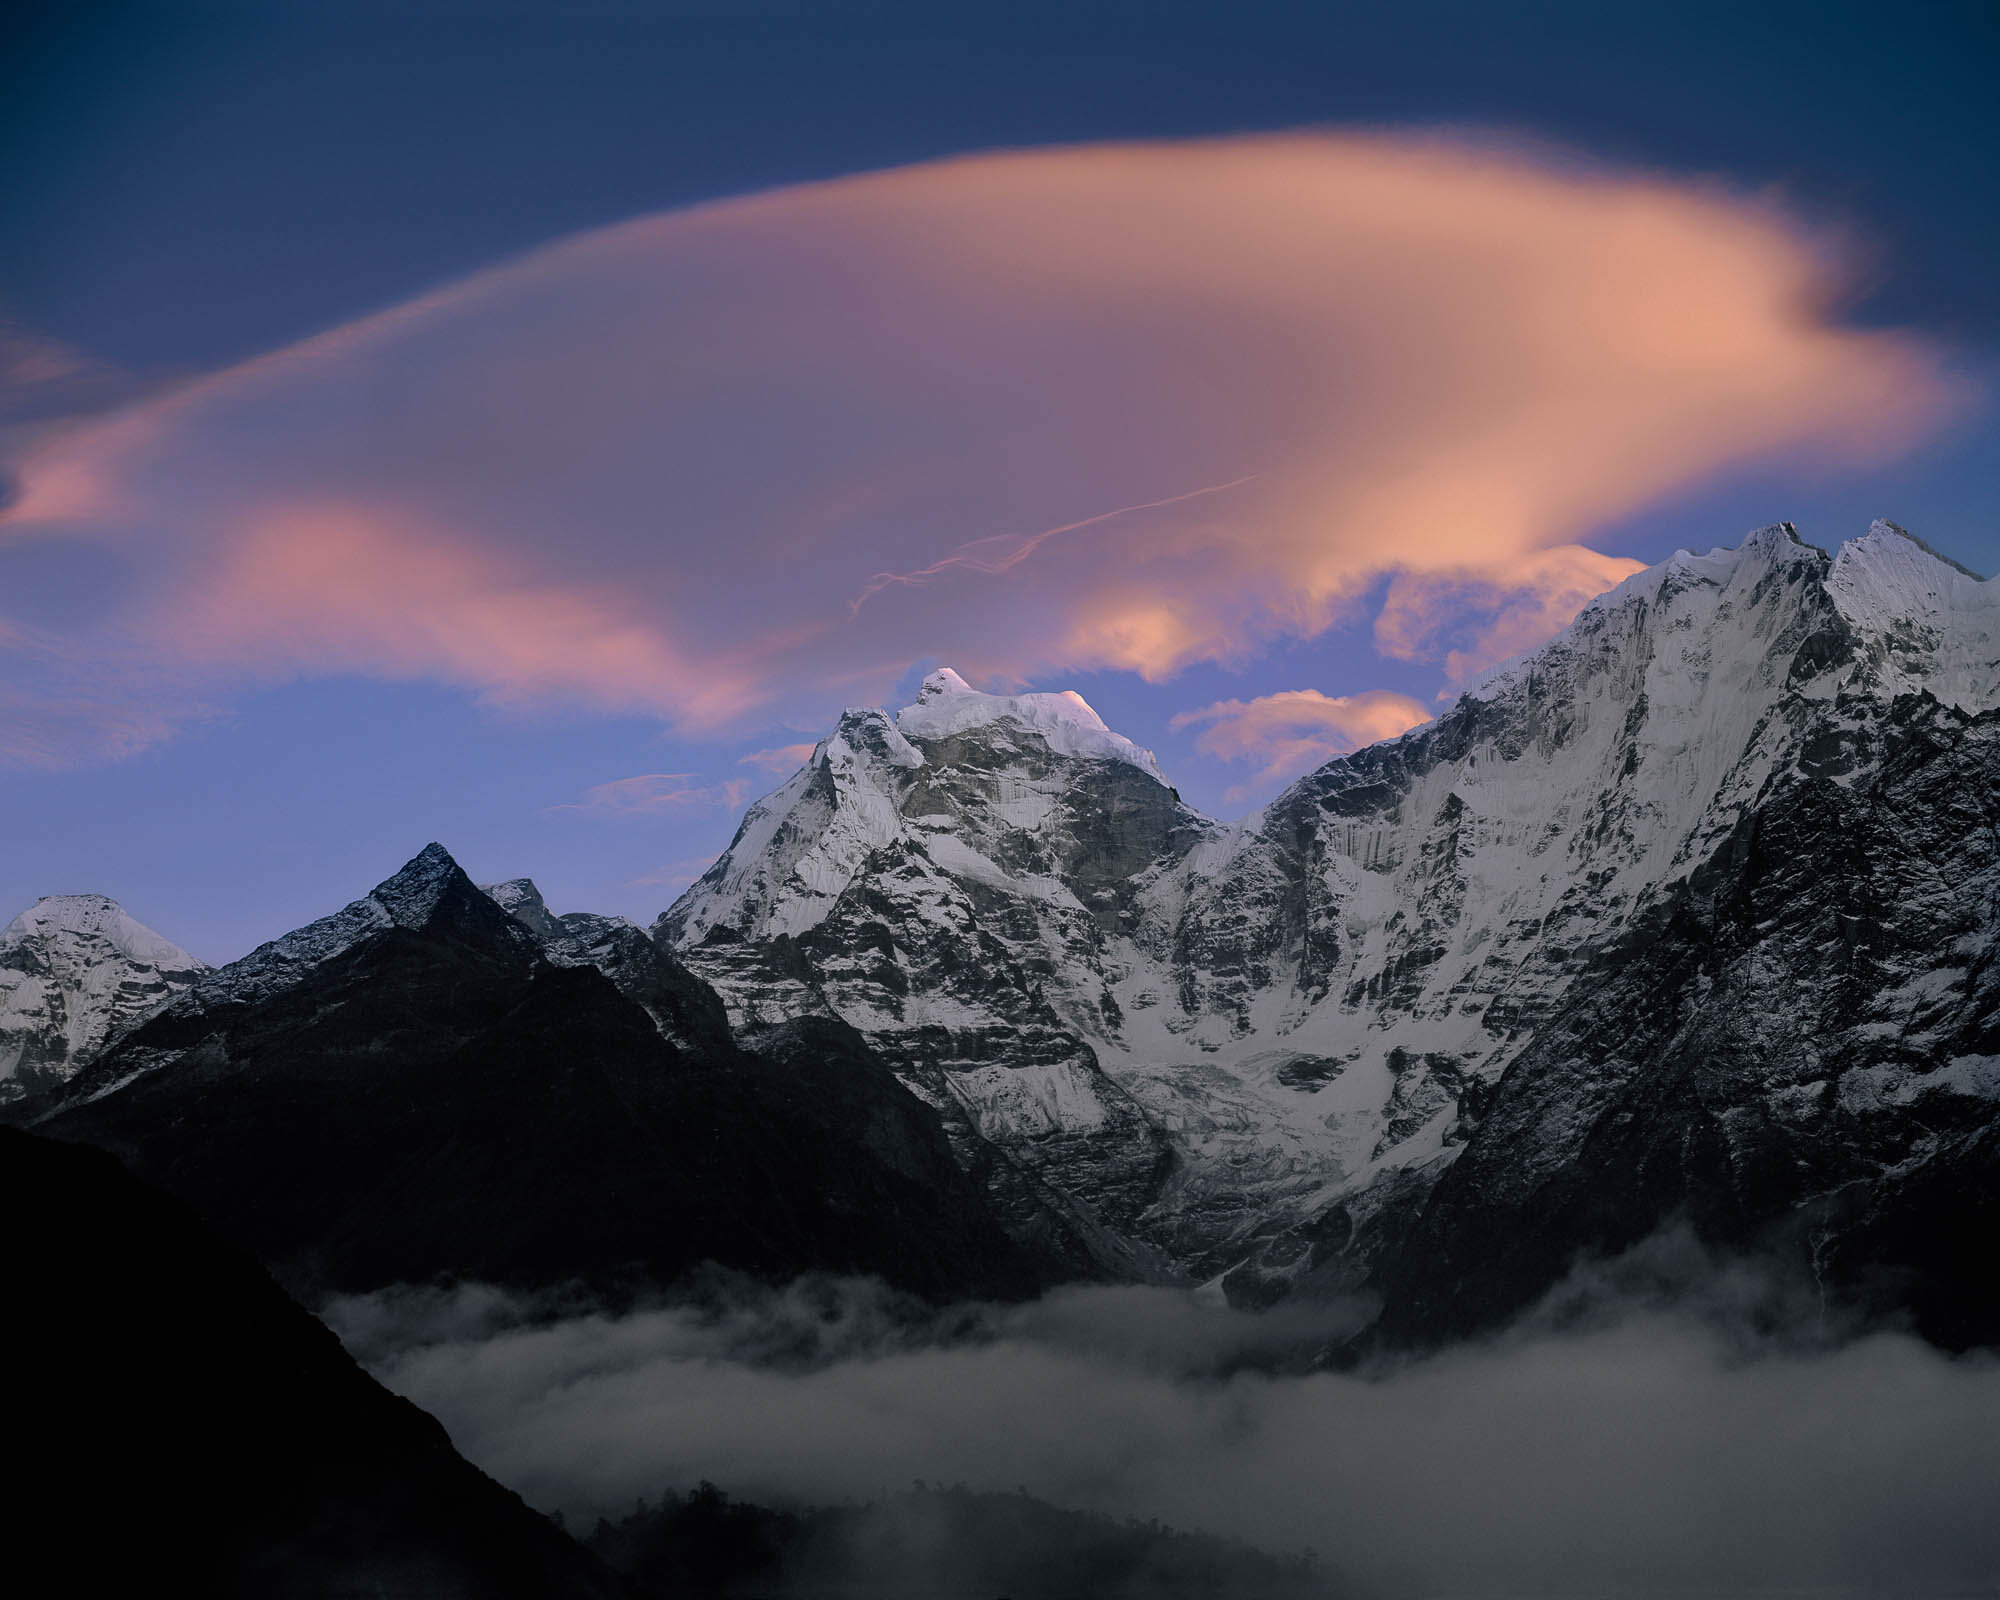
[946,705]
[1926,622]
[97,916]
[410,898]
[75,972]
[1884,535]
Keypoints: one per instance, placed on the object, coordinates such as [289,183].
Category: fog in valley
[1667,1425]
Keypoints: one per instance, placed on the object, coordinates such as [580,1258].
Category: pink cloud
[673,874]
[1126,406]
[1295,730]
[1472,618]
[782,760]
[652,793]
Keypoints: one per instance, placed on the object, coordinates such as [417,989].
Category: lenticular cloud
[1128,406]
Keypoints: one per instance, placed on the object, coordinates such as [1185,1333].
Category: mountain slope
[76,972]
[410,1089]
[1788,1047]
[178,1426]
[1256,1050]
[955,894]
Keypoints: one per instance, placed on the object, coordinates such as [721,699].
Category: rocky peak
[430,893]
[415,895]
[522,901]
[683,1008]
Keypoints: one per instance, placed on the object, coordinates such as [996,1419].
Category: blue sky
[193,187]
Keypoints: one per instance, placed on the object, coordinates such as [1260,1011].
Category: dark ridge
[439,1101]
[936,1541]
[175,1425]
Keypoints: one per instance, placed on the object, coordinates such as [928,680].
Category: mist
[1607,1445]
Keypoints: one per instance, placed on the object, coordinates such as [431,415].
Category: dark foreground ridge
[931,1542]
[176,1425]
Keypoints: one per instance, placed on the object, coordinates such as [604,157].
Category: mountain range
[1687,918]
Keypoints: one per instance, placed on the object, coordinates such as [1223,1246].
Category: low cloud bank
[1628,1451]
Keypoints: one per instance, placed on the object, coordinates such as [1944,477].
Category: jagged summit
[428,888]
[947,705]
[411,896]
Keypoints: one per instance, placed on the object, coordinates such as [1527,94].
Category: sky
[528,425]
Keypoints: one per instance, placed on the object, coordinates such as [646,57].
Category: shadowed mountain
[413,1089]
[177,1426]
[1797,1055]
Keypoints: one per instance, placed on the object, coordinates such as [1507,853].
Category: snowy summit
[76,971]
[947,705]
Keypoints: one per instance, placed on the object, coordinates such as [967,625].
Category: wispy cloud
[653,793]
[997,553]
[781,760]
[1297,729]
[1472,619]
[649,468]
[672,874]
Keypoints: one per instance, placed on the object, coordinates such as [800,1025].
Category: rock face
[961,884]
[76,972]
[419,1087]
[1691,911]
